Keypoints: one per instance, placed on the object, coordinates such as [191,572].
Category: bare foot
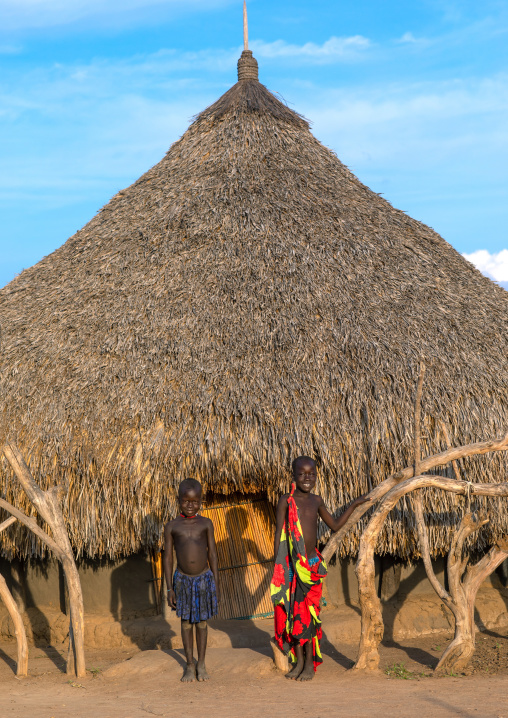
[307,674]
[294,672]
[190,674]
[201,672]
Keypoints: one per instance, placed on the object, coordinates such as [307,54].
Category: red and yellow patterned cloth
[297,593]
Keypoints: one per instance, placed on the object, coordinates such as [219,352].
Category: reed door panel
[244,532]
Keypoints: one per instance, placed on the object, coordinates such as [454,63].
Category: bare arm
[212,557]
[279,516]
[337,523]
[168,564]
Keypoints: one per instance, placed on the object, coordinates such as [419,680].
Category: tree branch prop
[449,445]
[372,620]
[31,524]
[12,608]
[8,522]
[431,462]
[421,527]
[462,592]
[48,506]
[19,628]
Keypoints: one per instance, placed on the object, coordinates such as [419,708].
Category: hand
[172,599]
[364,499]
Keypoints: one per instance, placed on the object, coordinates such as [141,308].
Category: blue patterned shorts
[196,596]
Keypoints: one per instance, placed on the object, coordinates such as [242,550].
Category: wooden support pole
[19,628]
[431,462]
[48,505]
[462,593]
[10,604]
[372,619]
[31,524]
[8,522]
[455,464]
[421,527]
[418,421]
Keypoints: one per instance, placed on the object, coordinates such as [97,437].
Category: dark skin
[193,541]
[310,508]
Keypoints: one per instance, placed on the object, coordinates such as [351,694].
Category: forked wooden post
[462,592]
[431,462]
[372,619]
[17,619]
[48,505]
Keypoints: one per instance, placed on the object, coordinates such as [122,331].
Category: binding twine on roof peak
[247,66]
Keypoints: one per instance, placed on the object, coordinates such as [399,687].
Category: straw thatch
[246,300]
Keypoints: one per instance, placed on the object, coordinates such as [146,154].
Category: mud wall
[122,589]
[120,604]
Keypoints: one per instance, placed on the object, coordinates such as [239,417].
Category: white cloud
[333,49]
[493,265]
[424,124]
[25,14]
[409,39]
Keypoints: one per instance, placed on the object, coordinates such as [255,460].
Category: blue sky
[412,96]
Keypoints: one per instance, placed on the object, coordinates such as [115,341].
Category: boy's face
[305,475]
[190,502]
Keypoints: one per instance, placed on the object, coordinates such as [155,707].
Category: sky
[412,96]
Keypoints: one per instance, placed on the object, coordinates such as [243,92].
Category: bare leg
[201,636]
[308,669]
[188,646]
[298,667]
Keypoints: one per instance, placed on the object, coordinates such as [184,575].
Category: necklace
[188,517]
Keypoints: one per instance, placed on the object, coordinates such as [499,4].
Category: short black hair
[301,458]
[189,484]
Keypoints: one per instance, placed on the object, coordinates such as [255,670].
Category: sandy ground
[244,683]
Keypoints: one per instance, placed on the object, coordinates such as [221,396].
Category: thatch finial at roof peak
[247,64]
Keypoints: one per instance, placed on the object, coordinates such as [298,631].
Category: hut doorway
[244,531]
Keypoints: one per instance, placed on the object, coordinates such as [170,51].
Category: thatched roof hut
[247,299]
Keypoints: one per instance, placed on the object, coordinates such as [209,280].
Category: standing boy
[299,570]
[194,593]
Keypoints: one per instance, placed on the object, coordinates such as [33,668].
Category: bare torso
[190,541]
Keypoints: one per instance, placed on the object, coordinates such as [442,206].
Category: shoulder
[206,521]
[282,506]
[168,528]
[318,500]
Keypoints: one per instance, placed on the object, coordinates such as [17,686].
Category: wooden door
[244,531]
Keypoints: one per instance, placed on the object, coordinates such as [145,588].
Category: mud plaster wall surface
[122,589]
[341,585]
[120,603]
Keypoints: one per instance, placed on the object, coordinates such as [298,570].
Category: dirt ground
[244,683]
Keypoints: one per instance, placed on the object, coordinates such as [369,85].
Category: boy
[299,570]
[194,593]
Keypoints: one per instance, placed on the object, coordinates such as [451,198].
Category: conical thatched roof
[246,300]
